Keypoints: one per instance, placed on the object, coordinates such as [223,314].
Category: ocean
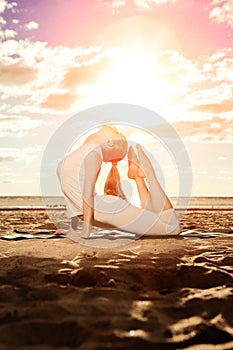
[37,202]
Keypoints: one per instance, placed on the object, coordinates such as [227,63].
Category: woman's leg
[117,212]
[155,198]
[138,176]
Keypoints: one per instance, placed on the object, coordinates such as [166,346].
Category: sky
[174,57]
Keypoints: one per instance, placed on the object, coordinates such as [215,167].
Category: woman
[78,174]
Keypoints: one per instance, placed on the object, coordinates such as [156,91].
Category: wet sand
[166,293]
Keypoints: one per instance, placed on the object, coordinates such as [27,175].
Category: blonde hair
[112,185]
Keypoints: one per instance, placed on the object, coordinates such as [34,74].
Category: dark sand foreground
[173,293]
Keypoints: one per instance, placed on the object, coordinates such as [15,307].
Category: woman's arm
[92,165]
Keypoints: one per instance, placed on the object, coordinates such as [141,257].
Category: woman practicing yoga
[78,174]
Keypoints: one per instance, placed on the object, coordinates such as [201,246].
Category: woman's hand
[86,230]
[76,235]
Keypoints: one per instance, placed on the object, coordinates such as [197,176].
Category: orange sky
[60,57]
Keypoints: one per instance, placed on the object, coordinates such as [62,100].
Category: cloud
[17,126]
[217,93]
[31,25]
[7,34]
[215,108]
[224,70]
[43,77]
[78,75]
[6,158]
[213,93]
[22,62]
[113,5]
[210,130]
[116,5]
[177,67]
[224,171]
[32,74]
[16,73]
[87,73]
[222,13]
[12,154]
[176,72]
[58,78]
[5,5]
[59,102]
[150,4]
[2,20]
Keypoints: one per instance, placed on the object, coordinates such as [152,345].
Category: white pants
[118,212]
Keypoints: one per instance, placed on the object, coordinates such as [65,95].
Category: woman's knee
[174,230]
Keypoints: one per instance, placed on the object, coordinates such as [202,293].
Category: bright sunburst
[133,75]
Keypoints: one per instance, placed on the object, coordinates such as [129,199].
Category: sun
[134,74]
[134,77]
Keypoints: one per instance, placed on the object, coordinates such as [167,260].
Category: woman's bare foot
[134,170]
[144,161]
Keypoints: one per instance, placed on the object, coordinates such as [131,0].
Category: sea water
[37,202]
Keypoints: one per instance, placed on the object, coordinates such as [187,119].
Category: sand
[170,293]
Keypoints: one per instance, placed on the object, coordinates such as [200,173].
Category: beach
[152,293]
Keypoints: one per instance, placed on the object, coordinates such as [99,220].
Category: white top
[71,174]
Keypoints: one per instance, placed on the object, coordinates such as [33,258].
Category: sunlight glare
[133,75]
